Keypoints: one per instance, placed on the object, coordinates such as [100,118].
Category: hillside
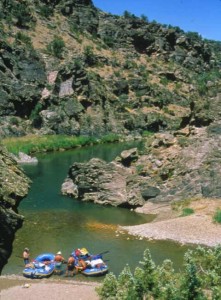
[69,68]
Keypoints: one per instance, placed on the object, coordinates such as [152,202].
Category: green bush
[144,17]
[46,11]
[109,41]
[22,14]
[217,216]
[147,133]
[56,47]
[187,211]
[90,57]
[23,38]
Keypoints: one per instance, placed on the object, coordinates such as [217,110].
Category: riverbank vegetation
[217,216]
[34,143]
[199,280]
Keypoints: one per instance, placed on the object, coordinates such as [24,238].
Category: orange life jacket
[82,264]
[71,261]
[59,258]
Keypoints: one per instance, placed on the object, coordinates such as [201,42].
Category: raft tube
[42,267]
[96,267]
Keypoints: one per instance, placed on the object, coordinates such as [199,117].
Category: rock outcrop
[13,188]
[172,167]
[105,183]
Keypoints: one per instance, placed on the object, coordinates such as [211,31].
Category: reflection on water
[54,222]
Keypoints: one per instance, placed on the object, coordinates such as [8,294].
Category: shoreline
[14,287]
[196,229]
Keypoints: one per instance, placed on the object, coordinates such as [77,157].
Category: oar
[105,252]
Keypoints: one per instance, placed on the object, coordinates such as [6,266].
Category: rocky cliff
[68,68]
[13,188]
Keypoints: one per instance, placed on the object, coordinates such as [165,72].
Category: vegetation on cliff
[68,68]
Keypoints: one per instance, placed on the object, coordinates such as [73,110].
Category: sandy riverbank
[198,228]
[16,288]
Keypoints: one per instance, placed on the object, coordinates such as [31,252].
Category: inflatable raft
[42,267]
[95,267]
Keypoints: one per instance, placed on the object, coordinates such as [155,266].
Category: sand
[16,288]
[196,229]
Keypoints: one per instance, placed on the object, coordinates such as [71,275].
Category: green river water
[55,222]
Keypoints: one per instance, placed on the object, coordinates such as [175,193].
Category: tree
[191,285]
[56,47]
[125,285]
[109,287]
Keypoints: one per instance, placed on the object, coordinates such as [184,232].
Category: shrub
[90,57]
[35,117]
[217,216]
[23,38]
[147,133]
[144,18]
[109,287]
[187,211]
[129,15]
[56,47]
[109,41]
[23,15]
[46,11]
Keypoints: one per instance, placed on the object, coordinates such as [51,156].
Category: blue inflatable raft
[95,267]
[43,266]
[95,264]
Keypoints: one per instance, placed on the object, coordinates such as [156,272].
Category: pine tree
[109,288]
[126,285]
[191,286]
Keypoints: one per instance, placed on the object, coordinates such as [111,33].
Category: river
[54,222]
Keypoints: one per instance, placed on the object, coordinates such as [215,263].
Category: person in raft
[26,256]
[59,259]
[70,266]
[82,265]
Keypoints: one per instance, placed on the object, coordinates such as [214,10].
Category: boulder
[23,158]
[102,183]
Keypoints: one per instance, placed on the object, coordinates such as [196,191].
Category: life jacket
[71,261]
[58,258]
[82,264]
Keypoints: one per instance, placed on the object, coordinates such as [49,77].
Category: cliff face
[13,188]
[68,68]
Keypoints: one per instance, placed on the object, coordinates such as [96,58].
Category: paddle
[105,252]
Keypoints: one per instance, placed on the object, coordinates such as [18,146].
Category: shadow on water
[54,222]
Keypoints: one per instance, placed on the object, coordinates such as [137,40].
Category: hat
[26,249]
[59,252]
